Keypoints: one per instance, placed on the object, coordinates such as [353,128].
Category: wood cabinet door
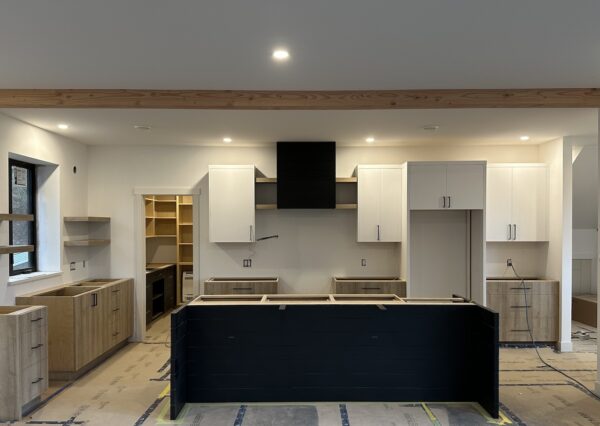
[368,204]
[231,204]
[499,203]
[465,186]
[529,203]
[390,212]
[426,186]
[89,337]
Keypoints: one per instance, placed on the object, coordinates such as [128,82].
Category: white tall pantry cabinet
[517,202]
[231,205]
[379,195]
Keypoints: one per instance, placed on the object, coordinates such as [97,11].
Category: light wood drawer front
[240,288]
[358,287]
[515,287]
[34,381]
[34,347]
[34,320]
[116,296]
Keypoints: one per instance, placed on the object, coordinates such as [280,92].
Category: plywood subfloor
[131,388]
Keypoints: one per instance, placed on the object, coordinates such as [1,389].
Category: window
[22,194]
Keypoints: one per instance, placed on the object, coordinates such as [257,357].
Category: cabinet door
[464,186]
[89,335]
[426,186]
[529,203]
[369,200]
[231,204]
[499,203]
[391,205]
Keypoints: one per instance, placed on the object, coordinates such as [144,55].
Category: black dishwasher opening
[158,298]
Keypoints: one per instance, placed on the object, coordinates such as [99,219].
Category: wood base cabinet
[86,321]
[512,300]
[23,359]
[219,286]
[367,285]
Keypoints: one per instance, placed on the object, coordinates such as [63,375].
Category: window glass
[22,201]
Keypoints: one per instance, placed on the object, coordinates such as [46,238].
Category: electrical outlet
[72,266]
[363,262]
[508,263]
[247,263]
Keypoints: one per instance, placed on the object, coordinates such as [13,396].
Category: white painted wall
[65,194]
[598,258]
[585,197]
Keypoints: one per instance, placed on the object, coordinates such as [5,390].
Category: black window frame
[33,195]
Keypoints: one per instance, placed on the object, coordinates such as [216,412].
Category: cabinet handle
[444,198]
[378,233]
[515,232]
[520,288]
[523,331]
[371,288]
[94,299]
[39,379]
[521,306]
[116,309]
[509,232]
[37,319]
[115,334]
[449,202]
[37,346]
[116,291]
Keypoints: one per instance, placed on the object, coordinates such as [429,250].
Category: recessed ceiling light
[370,139]
[142,127]
[524,138]
[63,126]
[281,55]
[431,127]
[227,140]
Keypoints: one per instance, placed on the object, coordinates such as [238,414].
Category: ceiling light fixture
[281,55]
[142,127]
[524,138]
[431,127]
[63,126]
[227,140]
[370,139]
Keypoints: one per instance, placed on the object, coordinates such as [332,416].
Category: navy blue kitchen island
[283,348]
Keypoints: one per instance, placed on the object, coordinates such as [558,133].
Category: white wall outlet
[72,266]
[247,263]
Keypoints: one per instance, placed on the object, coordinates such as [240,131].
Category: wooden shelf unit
[16,249]
[94,224]
[168,218]
[16,217]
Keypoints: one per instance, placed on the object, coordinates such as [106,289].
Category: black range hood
[306,175]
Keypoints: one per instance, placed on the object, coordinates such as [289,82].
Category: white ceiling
[348,128]
[334,44]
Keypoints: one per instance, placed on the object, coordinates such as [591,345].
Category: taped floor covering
[131,388]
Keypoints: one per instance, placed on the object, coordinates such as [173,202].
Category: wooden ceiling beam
[300,100]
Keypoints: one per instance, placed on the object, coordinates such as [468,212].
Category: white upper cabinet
[517,202]
[231,203]
[438,186]
[379,203]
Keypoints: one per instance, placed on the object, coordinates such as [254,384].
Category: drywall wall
[63,192]
[585,246]
[585,195]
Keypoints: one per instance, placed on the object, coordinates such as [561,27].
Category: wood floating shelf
[16,217]
[161,236]
[161,218]
[185,223]
[15,249]
[165,201]
[266,206]
[86,243]
[352,179]
[95,219]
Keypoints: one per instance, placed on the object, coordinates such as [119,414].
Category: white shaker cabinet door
[369,204]
[391,205]
[426,186]
[529,205]
[231,204]
[499,203]
[465,186]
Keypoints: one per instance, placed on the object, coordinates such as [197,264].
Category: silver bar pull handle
[444,198]
[378,233]
[509,232]
[449,202]
[514,232]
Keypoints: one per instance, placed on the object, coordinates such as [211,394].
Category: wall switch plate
[247,263]
[363,262]
[72,266]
